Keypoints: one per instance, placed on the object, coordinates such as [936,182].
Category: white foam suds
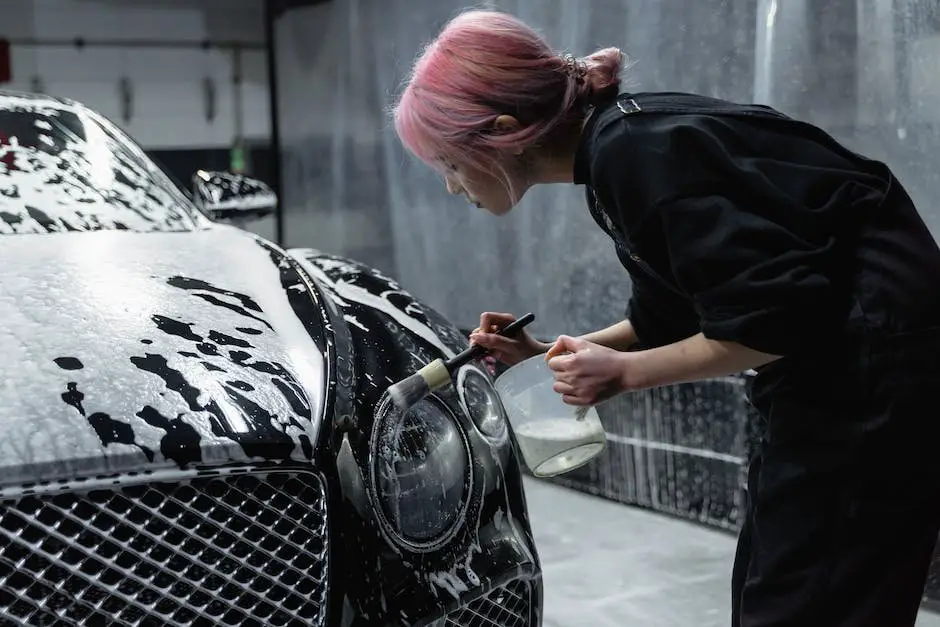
[353,320]
[363,296]
[304,355]
[99,307]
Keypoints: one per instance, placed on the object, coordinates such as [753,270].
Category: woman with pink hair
[754,241]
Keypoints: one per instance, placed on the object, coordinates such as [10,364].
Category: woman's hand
[586,373]
[508,350]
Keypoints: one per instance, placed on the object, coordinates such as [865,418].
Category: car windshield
[65,168]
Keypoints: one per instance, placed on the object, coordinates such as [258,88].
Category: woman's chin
[501,208]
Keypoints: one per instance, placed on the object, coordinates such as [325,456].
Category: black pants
[844,498]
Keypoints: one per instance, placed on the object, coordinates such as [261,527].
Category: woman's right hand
[508,350]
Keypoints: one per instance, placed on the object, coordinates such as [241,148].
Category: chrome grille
[238,549]
[509,606]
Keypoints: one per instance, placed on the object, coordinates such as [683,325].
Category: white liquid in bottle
[556,445]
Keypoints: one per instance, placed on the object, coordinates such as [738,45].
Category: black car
[195,425]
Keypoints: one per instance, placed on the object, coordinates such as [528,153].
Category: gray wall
[867,70]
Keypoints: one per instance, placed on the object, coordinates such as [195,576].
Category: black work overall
[745,225]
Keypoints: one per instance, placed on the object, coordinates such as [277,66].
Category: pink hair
[485,64]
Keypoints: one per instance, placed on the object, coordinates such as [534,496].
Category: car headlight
[421,472]
[481,402]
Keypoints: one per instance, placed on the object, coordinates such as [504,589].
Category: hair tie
[575,68]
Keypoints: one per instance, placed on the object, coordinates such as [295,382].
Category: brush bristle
[408,391]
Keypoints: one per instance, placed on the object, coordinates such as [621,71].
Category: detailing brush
[438,373]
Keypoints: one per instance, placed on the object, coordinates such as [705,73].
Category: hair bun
[602,73]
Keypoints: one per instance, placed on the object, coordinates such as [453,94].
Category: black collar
[582,155]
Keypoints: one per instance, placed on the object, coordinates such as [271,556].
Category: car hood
[128,351]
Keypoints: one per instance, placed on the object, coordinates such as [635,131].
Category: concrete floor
[610,565]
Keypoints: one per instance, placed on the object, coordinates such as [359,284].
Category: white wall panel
[169,108]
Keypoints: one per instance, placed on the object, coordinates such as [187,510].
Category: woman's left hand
[586,373]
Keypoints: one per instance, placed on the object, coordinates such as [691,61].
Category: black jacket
[749,226]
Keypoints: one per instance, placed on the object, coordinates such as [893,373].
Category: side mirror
[229,196]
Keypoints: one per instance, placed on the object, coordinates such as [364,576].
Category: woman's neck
[555,162]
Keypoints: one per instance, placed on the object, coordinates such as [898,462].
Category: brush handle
[476,350]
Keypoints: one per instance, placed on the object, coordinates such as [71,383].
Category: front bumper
[243,546]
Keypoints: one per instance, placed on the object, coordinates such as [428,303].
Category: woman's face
[485,189]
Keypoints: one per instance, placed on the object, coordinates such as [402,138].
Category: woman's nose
[452,187]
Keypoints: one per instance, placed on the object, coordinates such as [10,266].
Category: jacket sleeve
[640,313]
[752,280]
[658,317]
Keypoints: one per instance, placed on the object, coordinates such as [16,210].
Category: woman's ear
[508,124]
